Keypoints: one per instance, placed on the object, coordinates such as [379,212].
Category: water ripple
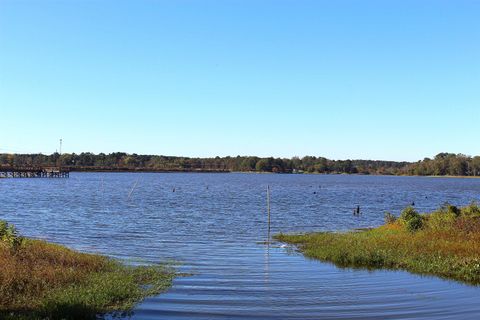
[211,227]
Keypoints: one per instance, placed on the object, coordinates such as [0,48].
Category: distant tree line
[446,164]
[442,164]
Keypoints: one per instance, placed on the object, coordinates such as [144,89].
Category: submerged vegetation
[443,243]
[42,280]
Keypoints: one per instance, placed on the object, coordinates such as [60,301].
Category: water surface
[212,224]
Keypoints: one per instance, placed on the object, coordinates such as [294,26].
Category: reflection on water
[214,225]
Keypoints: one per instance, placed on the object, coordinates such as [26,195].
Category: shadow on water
[58,311]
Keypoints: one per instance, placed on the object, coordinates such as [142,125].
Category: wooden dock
[33,172]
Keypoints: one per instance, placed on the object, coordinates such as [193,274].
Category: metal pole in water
[268,213]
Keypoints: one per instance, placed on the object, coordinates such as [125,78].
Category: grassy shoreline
[40,280]
[444,243]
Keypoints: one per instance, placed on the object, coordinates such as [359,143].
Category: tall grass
[444,243]
[42,280]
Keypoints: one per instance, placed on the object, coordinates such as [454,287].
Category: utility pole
[59,164]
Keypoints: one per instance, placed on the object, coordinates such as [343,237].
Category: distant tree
[248,164]
[475,166]
[263,165]
[457,166]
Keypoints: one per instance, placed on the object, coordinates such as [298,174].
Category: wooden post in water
[268,213]
[131,191]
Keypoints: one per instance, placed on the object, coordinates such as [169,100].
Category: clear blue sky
[395,80]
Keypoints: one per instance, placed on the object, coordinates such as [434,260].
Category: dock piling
[33,172]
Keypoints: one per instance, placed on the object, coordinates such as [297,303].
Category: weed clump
[389,218]
[451,209]
[472,210]
[9,235]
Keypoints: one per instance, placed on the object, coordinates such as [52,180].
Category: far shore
[7,170]
[263,172]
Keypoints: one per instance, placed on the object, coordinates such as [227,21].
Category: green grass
[444,243]
[40,280]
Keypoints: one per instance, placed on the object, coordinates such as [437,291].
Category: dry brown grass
[42,280]
[28,273]
[446,243]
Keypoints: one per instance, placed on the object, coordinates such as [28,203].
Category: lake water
[212,224]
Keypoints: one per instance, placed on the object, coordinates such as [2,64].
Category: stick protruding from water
[268,213]
[131,191]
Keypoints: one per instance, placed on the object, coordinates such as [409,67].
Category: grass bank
[40,280]
[444,243]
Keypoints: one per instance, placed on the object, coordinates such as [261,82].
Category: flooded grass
[42,280]
[443,243]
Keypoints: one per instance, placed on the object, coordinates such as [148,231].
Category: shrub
[3,228]
[411,219]
[449,209]
[9,235]
[441,220]
[414,224]
[453,209]
[408,213]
